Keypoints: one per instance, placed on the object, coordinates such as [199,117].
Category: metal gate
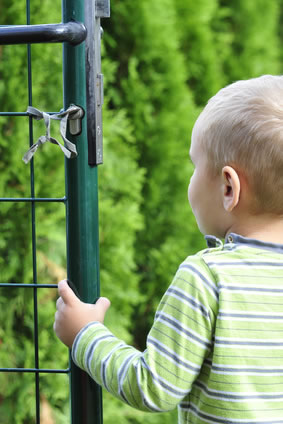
[80,34]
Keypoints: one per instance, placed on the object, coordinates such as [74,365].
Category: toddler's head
[242,126]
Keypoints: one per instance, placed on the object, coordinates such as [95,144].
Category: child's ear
[231,188]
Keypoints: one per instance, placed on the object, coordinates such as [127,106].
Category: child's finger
[102,305]
[59,303]
[66,293]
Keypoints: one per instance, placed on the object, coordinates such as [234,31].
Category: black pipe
[72,32]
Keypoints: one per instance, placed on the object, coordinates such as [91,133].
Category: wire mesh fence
[58,232]
[28,377]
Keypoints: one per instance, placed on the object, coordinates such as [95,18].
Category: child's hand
[72,314]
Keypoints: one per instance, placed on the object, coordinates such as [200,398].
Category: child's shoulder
[196,275]
[215,249]
[198,262]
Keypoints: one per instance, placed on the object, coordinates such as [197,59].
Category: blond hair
[242,126]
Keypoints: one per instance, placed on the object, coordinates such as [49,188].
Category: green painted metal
[82,217]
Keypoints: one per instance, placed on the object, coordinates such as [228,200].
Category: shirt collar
[259,244]
[236,239]
[213,241]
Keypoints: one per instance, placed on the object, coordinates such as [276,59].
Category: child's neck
[261,227]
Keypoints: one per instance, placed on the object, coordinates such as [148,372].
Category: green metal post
[82,217]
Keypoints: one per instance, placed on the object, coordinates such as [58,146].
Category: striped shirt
[215,349]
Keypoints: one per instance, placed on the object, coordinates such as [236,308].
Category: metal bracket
[102,8]
[75,122]
[94,10]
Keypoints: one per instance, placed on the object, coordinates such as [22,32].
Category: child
[215,349]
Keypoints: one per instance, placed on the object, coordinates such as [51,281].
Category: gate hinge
[94,11]
[102,8]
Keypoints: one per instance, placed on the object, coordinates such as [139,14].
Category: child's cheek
[191,191]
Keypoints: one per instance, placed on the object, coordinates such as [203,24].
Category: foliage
[255,41]
[162,60]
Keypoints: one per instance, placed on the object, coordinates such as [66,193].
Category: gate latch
[75,121]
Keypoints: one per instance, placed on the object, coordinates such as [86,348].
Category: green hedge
[162,60]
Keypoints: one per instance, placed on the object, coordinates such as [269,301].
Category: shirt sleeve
[159,378]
